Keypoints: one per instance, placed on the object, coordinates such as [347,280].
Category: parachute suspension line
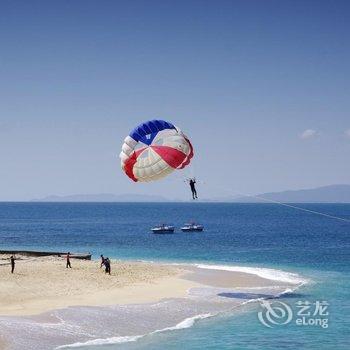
[189,172]
[284,204]
[295,207]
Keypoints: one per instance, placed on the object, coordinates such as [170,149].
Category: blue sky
[260,87]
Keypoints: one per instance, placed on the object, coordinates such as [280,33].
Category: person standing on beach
[102,260]
[68,261]
[108,266]
[12,259]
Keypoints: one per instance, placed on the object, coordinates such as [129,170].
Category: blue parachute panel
[146,132]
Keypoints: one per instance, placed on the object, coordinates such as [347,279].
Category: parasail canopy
[153,150]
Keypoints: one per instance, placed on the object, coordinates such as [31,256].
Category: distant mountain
[103,197]
[326,194]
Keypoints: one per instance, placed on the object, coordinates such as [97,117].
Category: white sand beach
[44,283]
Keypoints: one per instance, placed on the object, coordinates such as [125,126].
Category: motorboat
[163,229]
[192,227]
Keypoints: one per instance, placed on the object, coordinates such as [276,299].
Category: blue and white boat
[163,229]
[192,227]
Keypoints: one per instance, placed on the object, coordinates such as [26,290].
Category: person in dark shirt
[107,266]
[193,188]
[102,260]
[12,259]
[68,261]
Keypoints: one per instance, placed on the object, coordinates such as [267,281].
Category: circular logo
[275,313]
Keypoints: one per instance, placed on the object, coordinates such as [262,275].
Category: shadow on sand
[250,296]
[247,296]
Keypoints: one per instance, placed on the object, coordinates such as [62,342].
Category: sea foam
[186,323]
[271,274]
[106,341]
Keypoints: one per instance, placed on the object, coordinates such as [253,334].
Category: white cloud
[347,133]
[308,134]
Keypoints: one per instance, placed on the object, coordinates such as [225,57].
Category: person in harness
[192,183]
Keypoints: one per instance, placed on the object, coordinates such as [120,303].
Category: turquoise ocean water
[249,235]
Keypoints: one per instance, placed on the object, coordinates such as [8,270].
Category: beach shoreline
[165,296]
[44,283]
